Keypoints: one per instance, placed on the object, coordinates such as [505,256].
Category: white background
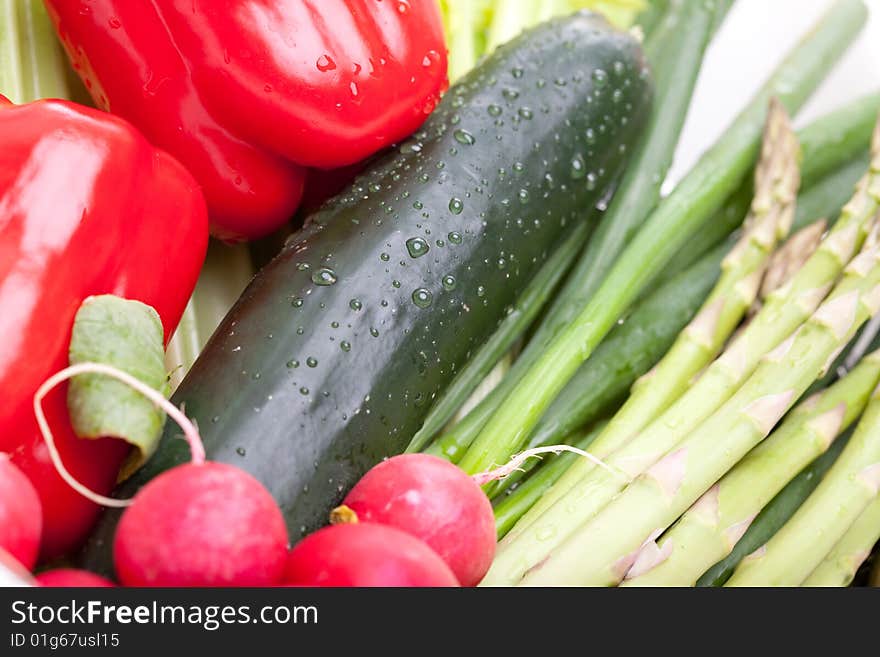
[755,36]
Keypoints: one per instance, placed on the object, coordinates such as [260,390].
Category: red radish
[21,517]
[365,555]
[433,500]
[71,577]
[198,524]
[227,530]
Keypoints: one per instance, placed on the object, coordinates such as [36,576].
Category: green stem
[676,219]
[708,531]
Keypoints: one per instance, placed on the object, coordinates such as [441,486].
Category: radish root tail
[518,459]
[190,432]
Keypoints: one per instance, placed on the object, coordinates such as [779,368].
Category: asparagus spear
[603,550]
[675,51]
[847,490]
[520,499]
[707,532]
[579,494]
[839,566]
[676,219]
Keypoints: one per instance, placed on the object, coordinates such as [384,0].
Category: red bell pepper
[87,206]
[246,93]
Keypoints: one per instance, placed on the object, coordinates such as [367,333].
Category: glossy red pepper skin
[247,92]
[87,206]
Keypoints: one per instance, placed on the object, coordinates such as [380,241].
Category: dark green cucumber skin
[309,429]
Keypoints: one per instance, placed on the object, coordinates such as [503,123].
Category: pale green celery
[225,274]
[32,64]
[510,17]
[466,23]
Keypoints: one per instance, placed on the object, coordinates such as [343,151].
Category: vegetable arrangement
[499,356]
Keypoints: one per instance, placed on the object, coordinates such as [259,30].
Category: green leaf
[127,335]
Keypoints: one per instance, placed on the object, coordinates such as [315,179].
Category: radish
[228,531]
[198,524]
[72,577]
[433,500]
[21,517]
[437,502]
[365,555]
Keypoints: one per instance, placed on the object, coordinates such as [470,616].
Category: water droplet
[454,237]
[619,68]
[417,247]
[325,63]
[578,167]
[384,257]
[334,324]
[293,364]
[590,134]
[241,451]
[523,196]
[494,110]
[600,77]
[402,6]
[374,332]
[617,96]
[418,205]
[591,181]
[525,113]
[304,391]
[311,361]
[449,282]
[114,23]
[519,167]
[345,345]
[517,72]
[456,206]
[324,276]
[395,283]
[422,297]
[297,302]
[355,304]
[464,137]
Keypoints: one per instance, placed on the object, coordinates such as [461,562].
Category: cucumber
[331,358]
